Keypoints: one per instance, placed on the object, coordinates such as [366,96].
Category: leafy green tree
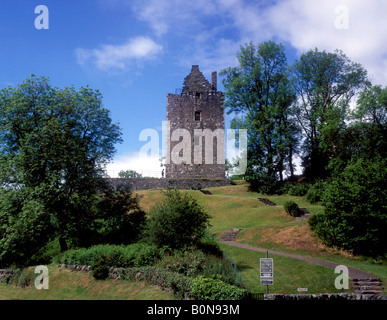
[177,222]
[54,146]
[372,106]
[24,226]
[355,215]
[119,218]
[325,83]
[365,136]
[129,174]
[371,116]
[259,93]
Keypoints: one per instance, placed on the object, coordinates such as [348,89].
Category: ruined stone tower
[195,145]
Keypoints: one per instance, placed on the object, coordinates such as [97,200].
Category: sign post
[266,271]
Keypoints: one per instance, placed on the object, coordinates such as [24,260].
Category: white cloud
[308,24]
[209,33]
[148,166]
[178,16]
[120,56]
[214,30]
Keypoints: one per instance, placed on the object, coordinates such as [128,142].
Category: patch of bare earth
[297,237]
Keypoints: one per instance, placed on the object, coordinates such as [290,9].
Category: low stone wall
[324,296]
[74,267]
[163,183]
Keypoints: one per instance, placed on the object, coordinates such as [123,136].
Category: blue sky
[135,52]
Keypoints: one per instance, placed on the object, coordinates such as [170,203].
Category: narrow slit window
[197,115]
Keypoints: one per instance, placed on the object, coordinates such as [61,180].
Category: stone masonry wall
[185,184]
[198,107]
[324,296]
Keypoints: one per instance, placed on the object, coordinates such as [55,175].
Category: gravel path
[353,273]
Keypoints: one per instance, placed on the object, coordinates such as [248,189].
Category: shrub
[355,215]
[160,277]
[24,226]
[213,289]
[189,263]
[208,245]
[221,269]
[283,187]
[28,223]
[46,253]
[292,208]
[23,277]
[194,262]
[313,195]
[315,192]
[177,222]
[120,219]
[138,254]
[298,190]
[146,255]
[100,268]
[263,183]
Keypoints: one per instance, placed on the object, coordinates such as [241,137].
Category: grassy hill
[262,226]
[273,229]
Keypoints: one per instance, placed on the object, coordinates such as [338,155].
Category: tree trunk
[62,243]
[291,168]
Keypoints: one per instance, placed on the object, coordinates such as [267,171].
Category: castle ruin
[196,114]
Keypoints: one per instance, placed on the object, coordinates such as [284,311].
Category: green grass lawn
[262,226]
[271,228]
[76,285]
[289,274]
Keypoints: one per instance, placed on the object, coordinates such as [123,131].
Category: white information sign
[266,270]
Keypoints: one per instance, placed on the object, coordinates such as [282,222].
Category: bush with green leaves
[28,226]
[46,254]
[355,215]
[54,144]
[158,276]
[100,267]
[120,219]
[177,222]
[23,277]
[315,192]
[189,263]
[134,255]
[298,189]
[24,226]
[283,187]
[214,289]
[208,245]
[262,182]
[292,208]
